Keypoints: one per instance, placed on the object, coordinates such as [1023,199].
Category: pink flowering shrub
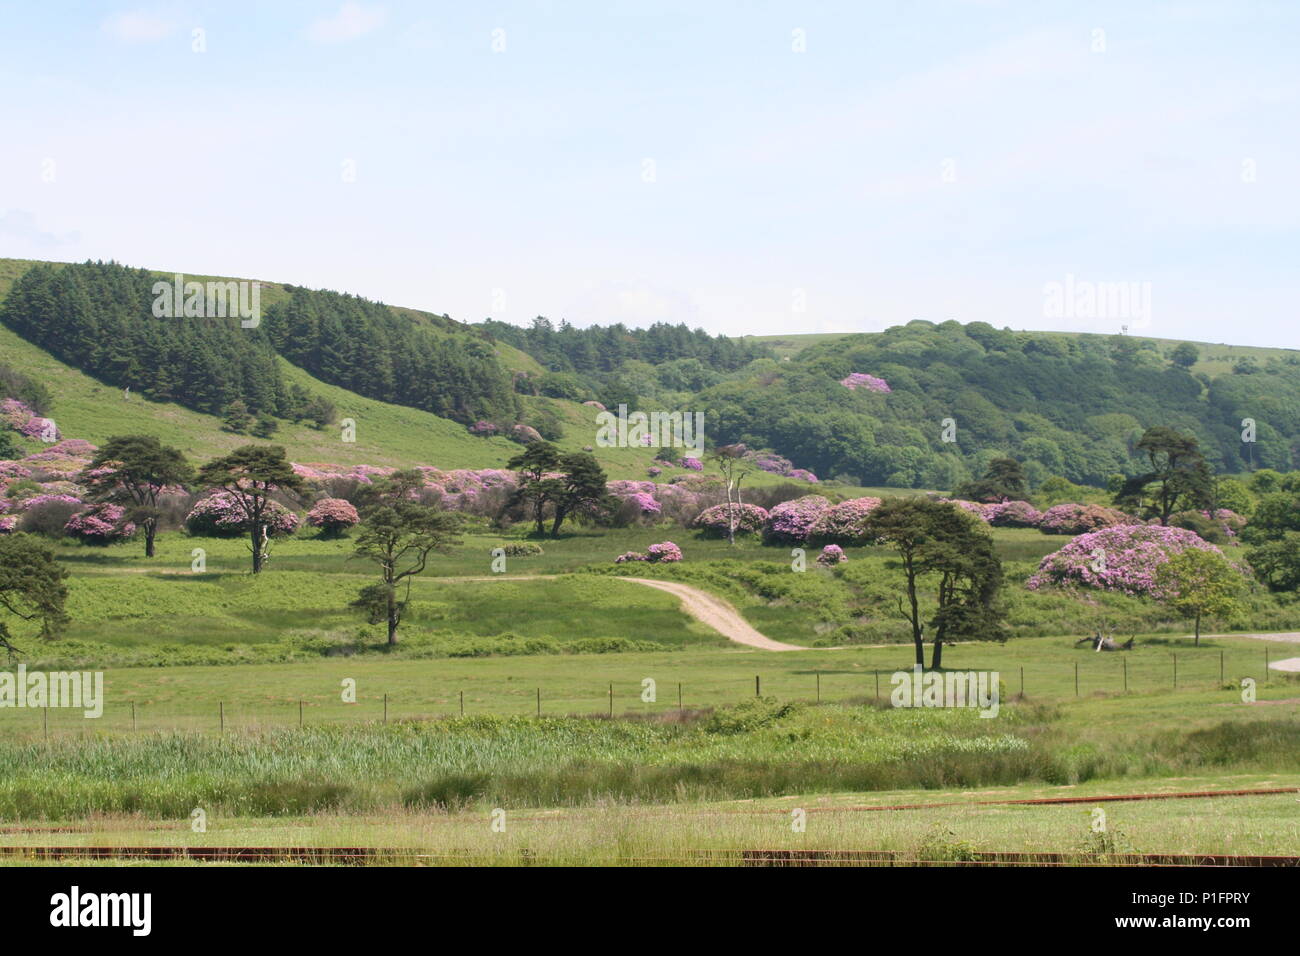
[693,464]
[8,523]
[220,515]
[748,519]
[332,516]
[37,501]
[831,554]
[1080,519]
[15,414]
[1013,514]
[100,524]
[857,380]
[13,470]
[791,521]
[1119,558]
[37,427]
[844,524]
[483,428]
[771,462]
[594,404]
[646,503]
[802,474]
[654,471]
[664,552]
[970,507]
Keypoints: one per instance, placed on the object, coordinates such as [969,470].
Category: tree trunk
[936,659]
[1198,629]
[257,547]
[391,582]
[392,618]
[916,614]
[150,530]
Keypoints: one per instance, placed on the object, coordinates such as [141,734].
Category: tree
[1179,479]
[252,474]
[1277,562]
[265,426]
[8,450]
[1004,481]
[31,586]
[583,488]
[536,486]
[1200,582]
[399,533]
[1185,354]
[732,463]
[937,538]
[236,418]
[133,470]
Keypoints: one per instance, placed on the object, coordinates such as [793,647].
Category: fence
[315,704]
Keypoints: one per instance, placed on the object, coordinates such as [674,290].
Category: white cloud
[138,26]
[353,20]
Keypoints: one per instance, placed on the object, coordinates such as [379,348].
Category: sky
[745,167]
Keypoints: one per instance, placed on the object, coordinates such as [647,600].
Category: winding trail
[717,614]
[706,608]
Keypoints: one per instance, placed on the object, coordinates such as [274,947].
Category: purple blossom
[831,554]
[857,380]
[791,521]
[745,519]
[845,523]
[1119,558]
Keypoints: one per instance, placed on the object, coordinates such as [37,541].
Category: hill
[954,396]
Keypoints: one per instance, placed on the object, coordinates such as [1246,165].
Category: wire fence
[669,698]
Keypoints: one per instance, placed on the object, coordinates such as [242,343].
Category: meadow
[326,736]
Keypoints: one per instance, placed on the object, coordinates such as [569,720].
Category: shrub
[48,514]
[857,380]
[749,519]
[665,552]
[100,524]
[521,549]
[831,554]
[1080,519]
[790,522]
[332,516]
[1014,514]
[845,523]
[1122,558]
[220,515]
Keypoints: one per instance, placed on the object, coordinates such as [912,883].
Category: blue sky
[673,161]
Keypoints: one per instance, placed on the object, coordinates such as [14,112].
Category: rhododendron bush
[332,515]
[790,522]
[831,554]
[1121,558]
[100,524]
[845,523]
[1013,514]
[1080,519]
[857,380]
[220,514]
[748,519]
[663,553]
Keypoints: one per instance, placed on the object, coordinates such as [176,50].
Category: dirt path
[704,607]
[717,614]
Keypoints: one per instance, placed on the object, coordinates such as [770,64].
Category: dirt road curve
[717,614]
[704,607]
